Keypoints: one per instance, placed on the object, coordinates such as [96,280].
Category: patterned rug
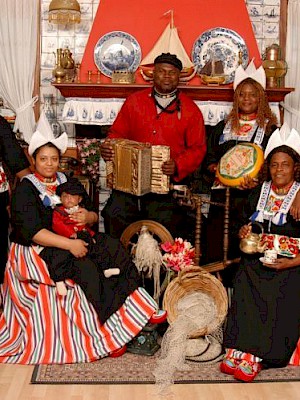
[137,369]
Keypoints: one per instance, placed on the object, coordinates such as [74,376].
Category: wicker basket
[196,279]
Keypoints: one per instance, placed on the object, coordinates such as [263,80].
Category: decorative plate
[220,44]
[117,51]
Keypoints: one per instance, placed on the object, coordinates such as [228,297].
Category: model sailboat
[168,42]
[213,72]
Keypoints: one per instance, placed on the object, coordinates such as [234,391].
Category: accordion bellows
[136,168]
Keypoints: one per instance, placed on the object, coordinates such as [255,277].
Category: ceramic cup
[270,256]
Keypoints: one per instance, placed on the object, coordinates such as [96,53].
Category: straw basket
[196,279]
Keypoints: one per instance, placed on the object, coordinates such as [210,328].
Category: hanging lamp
[64,12]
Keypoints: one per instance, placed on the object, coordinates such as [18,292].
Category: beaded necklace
[248,117]
[282,190]
[49,183]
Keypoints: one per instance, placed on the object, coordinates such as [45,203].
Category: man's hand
[107,152]
[169,167]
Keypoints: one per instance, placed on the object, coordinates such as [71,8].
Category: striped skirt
[38,326]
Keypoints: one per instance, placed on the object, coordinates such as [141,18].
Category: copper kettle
[251,243]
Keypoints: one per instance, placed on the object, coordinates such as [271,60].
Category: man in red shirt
[161,115]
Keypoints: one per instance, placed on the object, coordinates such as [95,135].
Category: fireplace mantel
[203,93]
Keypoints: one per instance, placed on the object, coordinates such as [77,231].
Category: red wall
[144,20]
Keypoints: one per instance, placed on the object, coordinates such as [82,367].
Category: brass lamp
[64,12]
[274,67]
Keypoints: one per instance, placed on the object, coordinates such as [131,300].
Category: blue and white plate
[220,44]
[117,51]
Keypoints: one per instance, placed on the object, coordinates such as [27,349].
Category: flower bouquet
[177,257]
[89,153]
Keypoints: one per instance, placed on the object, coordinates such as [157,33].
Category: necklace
[49,183]
[164,95]
[282,190]
[247,117]
[170,107]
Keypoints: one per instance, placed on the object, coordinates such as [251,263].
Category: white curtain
[292,100]
[18,46]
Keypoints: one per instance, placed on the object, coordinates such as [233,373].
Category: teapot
[250,244]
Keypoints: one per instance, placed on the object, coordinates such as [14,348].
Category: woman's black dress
[106,294]
[264,317]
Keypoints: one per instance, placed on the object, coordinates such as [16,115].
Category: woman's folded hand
[248,183]
[78,248]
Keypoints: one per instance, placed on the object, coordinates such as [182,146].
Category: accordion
[136,168]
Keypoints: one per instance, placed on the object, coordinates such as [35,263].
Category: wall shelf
[204,93]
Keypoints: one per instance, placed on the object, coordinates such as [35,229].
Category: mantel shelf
[205,93]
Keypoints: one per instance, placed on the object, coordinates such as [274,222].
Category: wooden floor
[14,385]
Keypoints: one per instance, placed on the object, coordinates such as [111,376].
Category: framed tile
[84,27]
[271,13]
[49,44]
[46,77]
[66,41]
[49,29]
[271,30]
[257,28]
[255,10]
[47,60]
[86,10]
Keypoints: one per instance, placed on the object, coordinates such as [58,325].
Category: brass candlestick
[78,65]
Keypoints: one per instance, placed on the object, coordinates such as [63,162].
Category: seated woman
[263,323]
[97,316]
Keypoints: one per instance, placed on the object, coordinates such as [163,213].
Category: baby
[73,196]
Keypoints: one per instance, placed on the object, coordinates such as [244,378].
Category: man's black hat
[72,186]
[168,58]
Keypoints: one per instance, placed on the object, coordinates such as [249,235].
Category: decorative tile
[46,77]
[271,30]
[271,13]
[66,41]
[49,44]
[47,60]
[255,10]
[49,29]
[258,28]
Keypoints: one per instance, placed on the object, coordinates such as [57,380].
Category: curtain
[18,49]
[292,100]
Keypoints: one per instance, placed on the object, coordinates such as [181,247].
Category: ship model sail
[168,42]
[212,73]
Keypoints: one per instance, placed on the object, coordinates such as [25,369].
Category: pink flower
[178,255]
